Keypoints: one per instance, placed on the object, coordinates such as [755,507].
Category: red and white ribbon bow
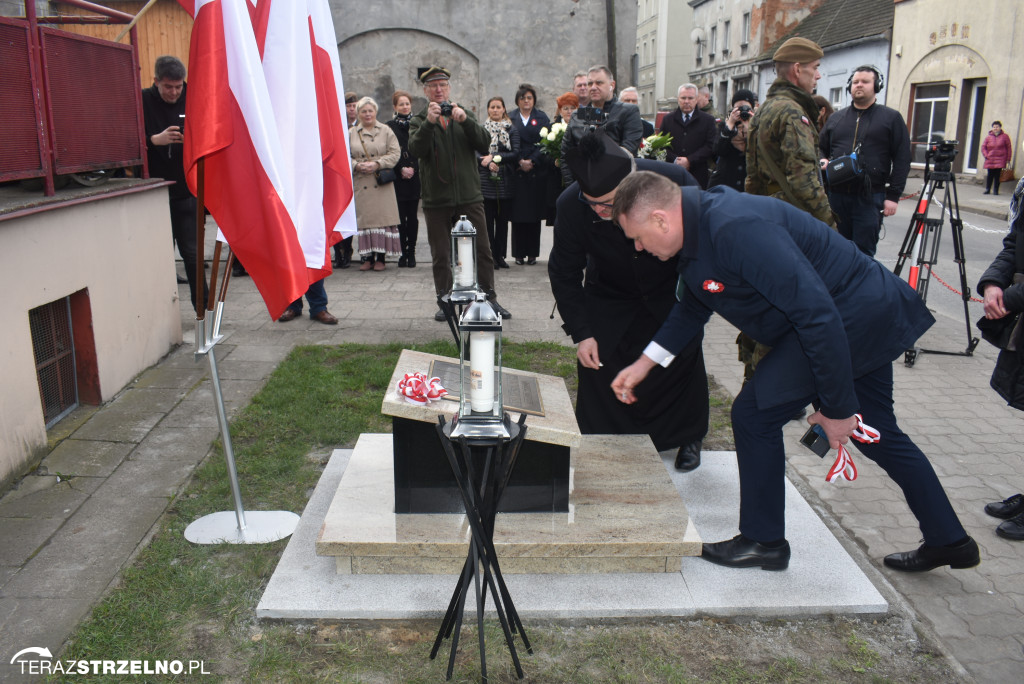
[417,388]
[865,434]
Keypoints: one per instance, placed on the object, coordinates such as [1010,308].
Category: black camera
[815,440]
[746,112]
[446,108]
[942,151]
[592,117]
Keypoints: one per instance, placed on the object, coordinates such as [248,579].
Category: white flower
[544,132]
[560,126]
[552,136]
[496,159]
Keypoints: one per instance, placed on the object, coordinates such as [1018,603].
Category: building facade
[664,54]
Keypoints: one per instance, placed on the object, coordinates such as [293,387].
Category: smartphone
[815,440]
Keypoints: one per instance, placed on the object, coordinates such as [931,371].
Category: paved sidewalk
[68,529]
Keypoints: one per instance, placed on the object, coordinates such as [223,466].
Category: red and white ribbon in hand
[865,434]
[417,388]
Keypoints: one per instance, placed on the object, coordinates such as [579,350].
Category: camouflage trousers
[750,354]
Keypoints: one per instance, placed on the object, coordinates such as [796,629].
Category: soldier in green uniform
[782,151]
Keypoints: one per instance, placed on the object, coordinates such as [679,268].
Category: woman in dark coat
[407,180]
[730,148]
[496,168]
[1002,285]
[528,205]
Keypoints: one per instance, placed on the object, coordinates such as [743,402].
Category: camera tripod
[921,243]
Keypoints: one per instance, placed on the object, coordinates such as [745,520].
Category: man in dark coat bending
[835,320]
[613,299]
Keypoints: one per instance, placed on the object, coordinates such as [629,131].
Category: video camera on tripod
[941,154]
[592,118]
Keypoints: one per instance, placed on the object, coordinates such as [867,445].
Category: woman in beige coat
[374,147]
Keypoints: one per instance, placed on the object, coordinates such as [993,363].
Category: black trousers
[993,179]
[408,225]
[496,211]
[183,230]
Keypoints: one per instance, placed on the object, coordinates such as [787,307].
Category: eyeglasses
[596,205]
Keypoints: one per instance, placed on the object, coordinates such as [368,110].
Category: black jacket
[165,161]
[622,124]
[730,163]
[884,146]
[1008,376]
[405,189]
[693,140]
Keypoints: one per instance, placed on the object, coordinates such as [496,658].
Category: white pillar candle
[465,269]
[481,371]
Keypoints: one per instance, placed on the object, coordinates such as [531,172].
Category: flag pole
[260,527]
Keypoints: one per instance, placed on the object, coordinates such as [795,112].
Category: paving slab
[168,443]
[57,500]
[161,478]
[38,622]
[78,570]
[23,537]
[119,424]
[111,515]
[824,580]
[86,457]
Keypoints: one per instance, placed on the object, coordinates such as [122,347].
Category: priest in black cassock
[613,299]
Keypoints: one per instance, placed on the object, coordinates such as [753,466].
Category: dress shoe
[520,262]
[500,263]
[985,193]
[237,270]
[412,260]
[403,262]
[532,261]
[288,315]
[440,315]
[688,456]
[500,310]
[345,261]
[366,266]
[959,556]
[1012,528]
[1007,508]
[743,552]
[181,279]
[325,317]
[379,266]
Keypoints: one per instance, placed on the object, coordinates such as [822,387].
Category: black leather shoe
[1012,528]
[500,310]
[924,558]
[742,552]
[500,263]
[181,279]
[520,262]
[288,315]
[345,261]
[403,261]
[238,271]
[1007,508]
[412,260]
[688,456]
[439,316]
[532,261]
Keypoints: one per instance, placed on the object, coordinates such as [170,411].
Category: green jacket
[448,165]
[785,130]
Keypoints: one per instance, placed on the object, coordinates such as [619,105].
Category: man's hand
[994,307]
[526,165]
[684,162]
[586,352]
[838,431]
[433,112]
[458,114]
[889,208]
[629,377]
[171,134]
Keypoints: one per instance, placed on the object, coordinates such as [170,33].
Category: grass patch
[180,601]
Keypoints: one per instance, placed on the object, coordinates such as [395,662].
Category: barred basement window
[55,359]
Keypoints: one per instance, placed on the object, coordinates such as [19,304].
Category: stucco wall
[119,249]
[493,45]
[935,41]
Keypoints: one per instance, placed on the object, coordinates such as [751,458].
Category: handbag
[1003,333]
[843,169]
[383,176]
[1006,175]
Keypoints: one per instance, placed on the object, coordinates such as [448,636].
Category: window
[928,106]
[713,41]
[745,37]
[699,51]
[54,351]
[835,96]
[725,38]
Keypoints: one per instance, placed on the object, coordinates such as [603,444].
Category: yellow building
[955,67]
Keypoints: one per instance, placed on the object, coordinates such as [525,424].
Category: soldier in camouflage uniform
[782,151]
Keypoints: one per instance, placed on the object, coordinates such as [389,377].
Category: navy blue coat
[830,313]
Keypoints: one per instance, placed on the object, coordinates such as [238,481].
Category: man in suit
[835,319]
[693,134]
[613,300]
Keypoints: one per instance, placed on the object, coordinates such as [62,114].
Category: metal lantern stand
[482,467]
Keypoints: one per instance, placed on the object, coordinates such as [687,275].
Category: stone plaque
[519,393]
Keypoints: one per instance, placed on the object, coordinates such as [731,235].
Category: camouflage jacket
[784,129]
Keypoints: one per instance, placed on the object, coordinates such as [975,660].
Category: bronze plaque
[519,393]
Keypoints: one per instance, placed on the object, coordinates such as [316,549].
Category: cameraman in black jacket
[879,136]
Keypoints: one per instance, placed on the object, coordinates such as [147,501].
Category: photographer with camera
[879,137]
[445,138]
[730,149]
[620,123]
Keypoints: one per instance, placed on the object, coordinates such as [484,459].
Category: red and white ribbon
[844,467]
[417,388]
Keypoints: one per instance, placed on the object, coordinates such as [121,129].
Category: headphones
[879,79]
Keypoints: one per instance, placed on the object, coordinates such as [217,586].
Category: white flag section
[275,181]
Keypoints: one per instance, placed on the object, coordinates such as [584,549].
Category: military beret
[435,73]
[351,98]
[799,50]
[599,164]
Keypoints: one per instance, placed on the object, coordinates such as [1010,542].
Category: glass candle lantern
[481,413]
[464,285]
